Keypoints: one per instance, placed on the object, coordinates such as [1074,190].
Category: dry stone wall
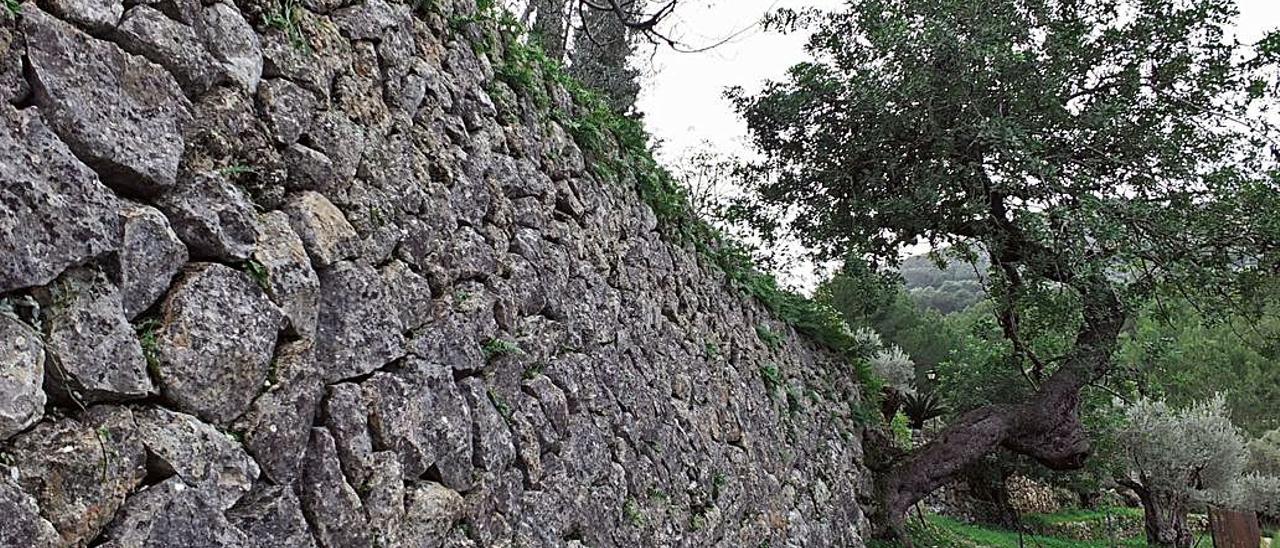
[285,274]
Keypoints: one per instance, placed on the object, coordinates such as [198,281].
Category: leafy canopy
[1110,138]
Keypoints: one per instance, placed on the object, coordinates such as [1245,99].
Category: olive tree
[1175,457]
[1093,149]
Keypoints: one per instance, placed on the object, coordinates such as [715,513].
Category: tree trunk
[1046,427]
[1164,518]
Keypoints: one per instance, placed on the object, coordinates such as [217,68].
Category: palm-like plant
[922,406]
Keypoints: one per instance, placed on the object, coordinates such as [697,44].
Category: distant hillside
[946,290]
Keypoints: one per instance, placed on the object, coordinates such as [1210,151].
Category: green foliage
[919,407]
[617,150]
[146,331]
[900,428]
[769,337]
[711,350]
[772,377]
[494,348]
[236,169]
[940,532]
[1177,353]
[286,16]
[14,7]
[631,510]
[258,272]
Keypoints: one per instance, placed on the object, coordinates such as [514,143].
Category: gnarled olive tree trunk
[1046,427]
[1164,518]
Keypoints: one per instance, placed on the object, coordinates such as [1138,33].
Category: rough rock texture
[120,113]
[384,299]
[150,256]
[215,342]
[55,213]
[94,354]
[21,372]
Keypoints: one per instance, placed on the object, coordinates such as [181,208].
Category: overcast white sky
[683,99]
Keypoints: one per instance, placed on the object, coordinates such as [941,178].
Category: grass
[494,348]
[285,17]
[944,532]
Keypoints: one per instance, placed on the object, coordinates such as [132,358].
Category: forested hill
[947,290]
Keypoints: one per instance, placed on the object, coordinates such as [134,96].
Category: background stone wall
[285,274]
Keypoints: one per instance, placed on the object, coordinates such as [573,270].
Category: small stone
[491,437]
[120,113]
[97,356]
[175,46]
[309,169]
[331,505]
[288,108]
[54,213]
[234,44]
[342,142]
[202,456]
[80,471]
[347,416]
[215,342]
[290,281]
[433,508]
[22,524]
[174,513]
[21,373]
[212,216]
[384,498]
[97,16]
[409,293]
[420,415]
[278,424]
[325,232]
[150,257]
[357,332]
[370,20]
[272,515]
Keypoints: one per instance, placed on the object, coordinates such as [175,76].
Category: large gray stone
[325,232]
[215,342]
[346,413]
[330,503]
[80,470]
[151,255]
[358,333]
[54,213]
[419,413]
[212,216]
[272,516]
[97,16]
[278,424]
[96,356]
[493,449]
[290,281]
[120,113]
[174,514]
[202,456]
[432,510]
[22,525]
[21,373]
[370,20]
[289,109]
[234,44]
[175,46]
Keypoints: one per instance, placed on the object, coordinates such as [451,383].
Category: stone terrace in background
[307,284]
